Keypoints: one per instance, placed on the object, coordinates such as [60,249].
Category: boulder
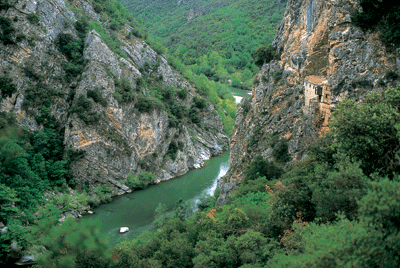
[123,230]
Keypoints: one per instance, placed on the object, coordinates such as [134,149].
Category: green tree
[8,200]
[260,167]
[75,245]
[377,119]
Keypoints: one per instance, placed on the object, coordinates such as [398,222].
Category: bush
[280,152]
[277,75]
[7,87]
[264,54]
[172,150]
[199,102]
[4,5]
[35,95]
[20,37]
[141,182]
[145,105]
[182,94]
[262,168]
[33,18]
[8,30]
[391,75]
[385,15]
[82,26]
[96,96]
[194,116]
[82,109]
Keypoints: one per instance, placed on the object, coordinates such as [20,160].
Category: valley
[136,109]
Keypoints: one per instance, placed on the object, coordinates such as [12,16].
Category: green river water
[136,210]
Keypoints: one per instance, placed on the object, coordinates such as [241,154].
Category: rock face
[123,140]
[324,59]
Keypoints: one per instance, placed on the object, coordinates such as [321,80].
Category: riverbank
[136,210]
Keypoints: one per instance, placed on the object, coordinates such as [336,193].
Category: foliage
[384,15]
[217,44]
[264,54]
[323,211]
[277,75]
[280,152]
[142,181]
[7,31]
[75,245]
[7,87]
[33,18]
[262,168]
[97,96]
[376,148]
[124,92]
[8,197]
[82,108]
[145,105]
[173,150]
[73,50]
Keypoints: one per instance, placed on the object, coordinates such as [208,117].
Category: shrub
[385,15]
[82,26]
[82,109]
[194,116]
[96,96]
[199,102]
[264,54]
[7,87]
[8,30]
[264,78]
[277,75]
[20,37]
[280,152]
[262,168]
[37,93]
[391,75]
[33,18]
[168,93]
[4,5]
[141,182]
[172,150]
[145,105]
[104,193]
[182,94]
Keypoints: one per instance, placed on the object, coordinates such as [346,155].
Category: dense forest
[220,40]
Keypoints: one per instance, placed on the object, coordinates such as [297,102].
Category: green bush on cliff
[33,18]
[140,182]
[7,31]
[280,152]
[7,87]
[97,96]
[384,15]
[82,108]
[264,54]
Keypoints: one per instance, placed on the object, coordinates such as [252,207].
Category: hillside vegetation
[215,38]
[338,207]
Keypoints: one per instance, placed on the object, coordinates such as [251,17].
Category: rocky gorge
[122,129]
[324,58]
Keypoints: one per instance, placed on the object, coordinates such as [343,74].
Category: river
[136,210]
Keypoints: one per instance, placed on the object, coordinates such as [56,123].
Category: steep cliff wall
[324,59]
[121,137]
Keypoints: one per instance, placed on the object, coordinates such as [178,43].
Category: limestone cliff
[123,139]
[324,58]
